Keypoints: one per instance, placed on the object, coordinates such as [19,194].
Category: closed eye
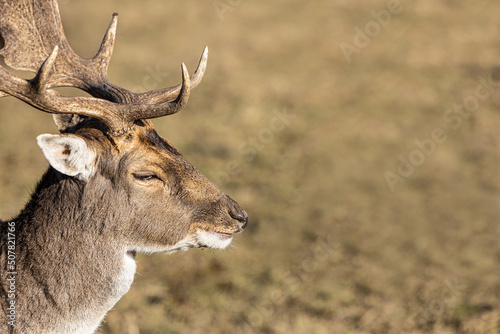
[146,177]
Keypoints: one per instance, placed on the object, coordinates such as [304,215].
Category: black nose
[240,216]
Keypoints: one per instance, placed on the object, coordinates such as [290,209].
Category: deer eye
[145,177]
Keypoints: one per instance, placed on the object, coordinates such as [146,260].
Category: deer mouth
[223,235]
[214,240]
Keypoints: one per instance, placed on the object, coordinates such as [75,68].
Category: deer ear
[68,154]
[67,122]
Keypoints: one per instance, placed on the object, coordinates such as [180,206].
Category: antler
[35,41]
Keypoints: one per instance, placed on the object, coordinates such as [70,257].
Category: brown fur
[72,233]
[115,186]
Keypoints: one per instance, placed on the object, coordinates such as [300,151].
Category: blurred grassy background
[330,247]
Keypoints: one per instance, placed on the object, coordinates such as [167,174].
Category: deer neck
[71,256]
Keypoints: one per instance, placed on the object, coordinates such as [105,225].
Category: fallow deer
[114,187]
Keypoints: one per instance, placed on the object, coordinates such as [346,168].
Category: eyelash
[147,177]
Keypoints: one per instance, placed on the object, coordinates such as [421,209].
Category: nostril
[241,217]
[244,223]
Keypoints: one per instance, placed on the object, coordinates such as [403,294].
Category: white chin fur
[199,239]
[213,240]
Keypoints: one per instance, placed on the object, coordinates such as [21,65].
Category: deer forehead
[144,138]
[141,150]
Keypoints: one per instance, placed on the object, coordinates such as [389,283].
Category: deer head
[108,136]
[114,187]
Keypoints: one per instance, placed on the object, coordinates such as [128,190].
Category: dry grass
[330,248]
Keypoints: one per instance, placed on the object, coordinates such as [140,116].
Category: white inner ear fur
[68,154]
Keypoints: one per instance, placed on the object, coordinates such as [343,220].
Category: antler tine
[200,70]
[167,94]
[39,82]
[105,52]
[166,108]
